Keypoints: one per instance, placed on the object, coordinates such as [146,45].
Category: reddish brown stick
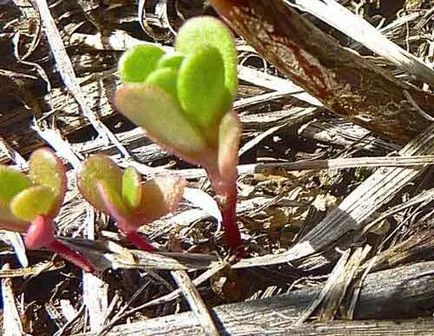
[344,82]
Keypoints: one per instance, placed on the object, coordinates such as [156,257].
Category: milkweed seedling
[184,102]
[30,203]
[123,196]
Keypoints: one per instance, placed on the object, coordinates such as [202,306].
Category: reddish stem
[140,241]
[228,207]
[41,234]
[71,255]
[227,192]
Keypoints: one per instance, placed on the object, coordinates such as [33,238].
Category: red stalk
[70,255]
[41,234]
[140,242]
[227,201]
[228,206]
[130,232]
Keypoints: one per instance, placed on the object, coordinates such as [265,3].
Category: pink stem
[227,190]
[140,242]
[41,234]
[229,214]
[71,255]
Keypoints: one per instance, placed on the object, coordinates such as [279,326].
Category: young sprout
[184,102]
[123,196]
[29,204]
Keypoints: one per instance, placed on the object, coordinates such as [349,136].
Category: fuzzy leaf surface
[94,169]
[161,117]
[201,86]
[11,183]
[131,187]
[172,61]
[112,201]
[46,169]
[206,30]
[165,79]
[161,195]
[138,62]
[33,201]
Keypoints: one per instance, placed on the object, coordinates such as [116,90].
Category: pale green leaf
[131,187]
[165,79]
[172,61]
[11,183]
[33,201]
[160,116]
[207,30]
[138,62]
[46,169]
[201,89]
[112,201]
[97,168]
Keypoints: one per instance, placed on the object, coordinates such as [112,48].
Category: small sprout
[184,102]
[29,204]
[123,196]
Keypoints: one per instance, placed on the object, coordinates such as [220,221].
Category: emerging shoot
[123,196]
[184,102]
[29,204]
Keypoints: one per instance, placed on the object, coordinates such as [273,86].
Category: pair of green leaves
[40,193]
[25,199]
[183,99]
[123,195]
[201,75]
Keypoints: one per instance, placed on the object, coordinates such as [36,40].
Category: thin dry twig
[337,272]
[195,301]
[12,325]
[95,290]
[358,29]
[340,163]
[374,192]
[66,70]
[166,298]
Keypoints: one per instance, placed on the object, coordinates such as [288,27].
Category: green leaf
[112,201]
[160,196]
[165,79]
[33,201]
[138,62]
[131,187]
[201,87]
[160,116]
[97,168]
[207,30]
[11,183]
[172,61]
[46,169]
